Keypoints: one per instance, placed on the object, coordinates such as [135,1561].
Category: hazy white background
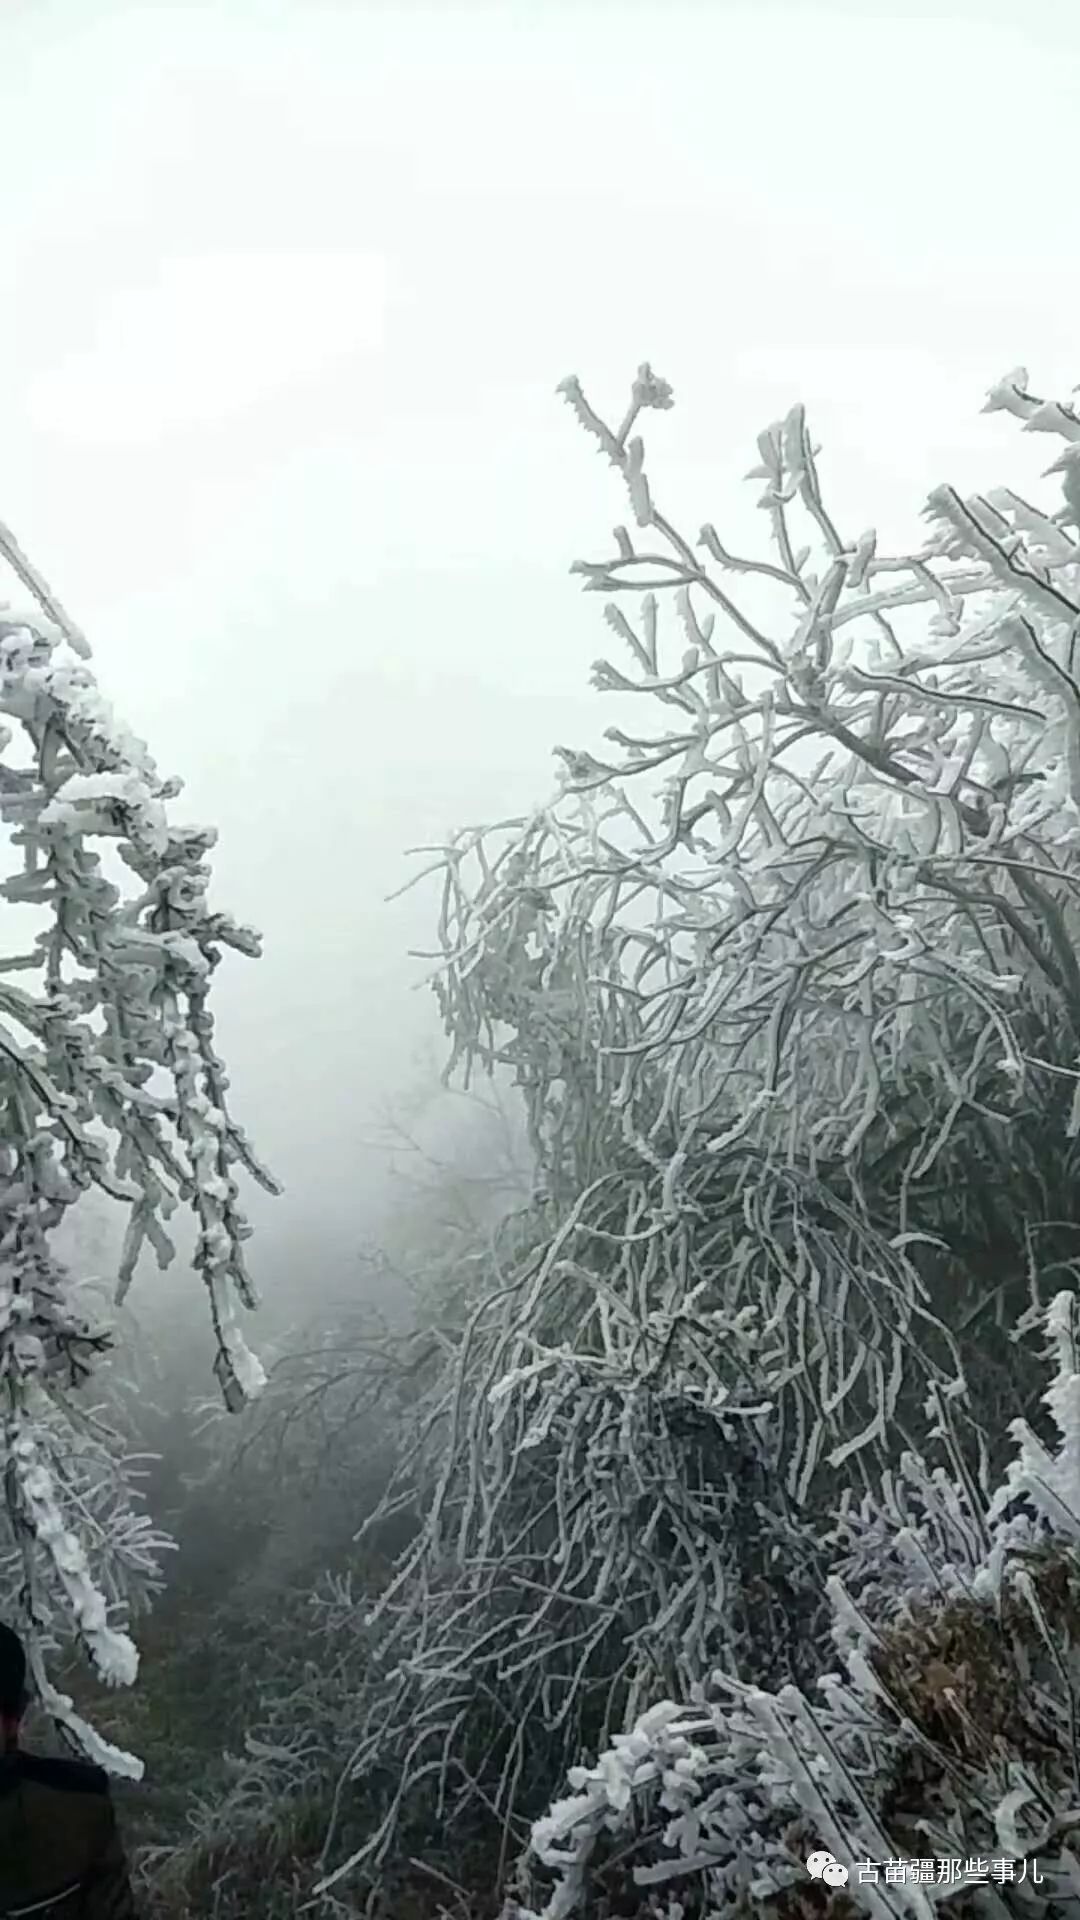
[285,292]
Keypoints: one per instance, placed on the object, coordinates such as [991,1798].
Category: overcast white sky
[285,292]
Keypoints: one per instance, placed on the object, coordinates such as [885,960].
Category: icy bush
[953,1734]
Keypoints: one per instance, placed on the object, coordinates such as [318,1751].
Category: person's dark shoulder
[64,1776]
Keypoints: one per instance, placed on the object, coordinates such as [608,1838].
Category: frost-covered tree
[109,1079]
[803,952]
[789,983]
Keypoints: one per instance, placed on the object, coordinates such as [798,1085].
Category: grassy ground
[206,1660]
[201,1678]
[186,1710]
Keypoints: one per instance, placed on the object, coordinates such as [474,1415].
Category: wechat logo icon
[825,1866]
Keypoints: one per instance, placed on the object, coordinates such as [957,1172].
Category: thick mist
[287,296]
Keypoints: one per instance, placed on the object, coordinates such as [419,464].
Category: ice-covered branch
[108,1078]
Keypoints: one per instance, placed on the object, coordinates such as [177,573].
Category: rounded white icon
[834,1875]
[818,1862]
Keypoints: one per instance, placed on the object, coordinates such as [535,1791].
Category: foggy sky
[286,292]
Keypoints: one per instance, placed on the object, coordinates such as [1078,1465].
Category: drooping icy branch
[108,1078]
